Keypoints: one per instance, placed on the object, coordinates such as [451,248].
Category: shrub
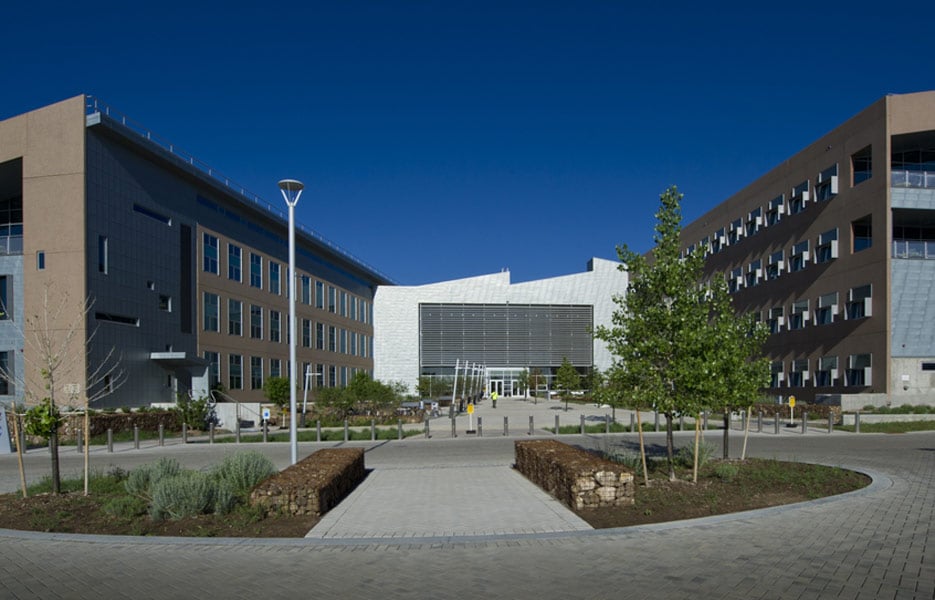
[630,460]
[243,470]
[686,454]
[186,494]
[124,507]
[193,411]
[225,498]
[141,480]
[726,471]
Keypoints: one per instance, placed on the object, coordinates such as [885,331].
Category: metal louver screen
[505,335]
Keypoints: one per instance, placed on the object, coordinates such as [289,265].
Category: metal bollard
[427,434]
[606,424]
[480,427]
[632,422]
[237,431]
[804,422]
[830,421]
[318,430]
[184,433]
[531,428]
[759,421]
[743,420]
[857,422]
[373,430]
[776,419]
[347,431]
[656,420]
[506,425]
[78,440]
[582,424]
[265,431]
[556,425]
[110,440]
[211,433]
[454,430]
[704,421]
[136,437]
[162,434]
[681,422]
[399,429]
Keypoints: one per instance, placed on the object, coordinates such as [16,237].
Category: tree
[677,344]
[276,390]
[568,380]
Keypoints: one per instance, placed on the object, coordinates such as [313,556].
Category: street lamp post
[291,190]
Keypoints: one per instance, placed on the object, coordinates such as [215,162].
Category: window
[234,317]
[274,282]
[798,200]
[319,375]
[343,305]
[777,376]
[332,376]
[235,372]
[343,340]
[319,295]
[827,372]
[212,315]
[256,271]
[332,339]
[256,372]
[754,273]
[331,299]
[256,322]
[735,232]
[827,186]
[353,313]
[233,262]
[798,376]
[165,303]
[798,257]
[754,221]
[862,233]
[343,376]
[102,266]
[319,336]
[777,208]
[209,251]
[275,326]
[365,346]
[859,302]
[306,333]
[735,281]
[862,165]
[306,290]
[827,248]
[859,371]
[40,260]
[6,309]
[353,343]
[775,265]
[6,381]
[275,367]
[827,309]
[799,315]
[214,369]
[718,241]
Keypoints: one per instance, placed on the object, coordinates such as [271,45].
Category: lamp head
[291,190]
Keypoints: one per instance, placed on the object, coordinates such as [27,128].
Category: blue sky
[440,140]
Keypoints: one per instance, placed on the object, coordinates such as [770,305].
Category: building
[834,250]
[427,330]
[185,272]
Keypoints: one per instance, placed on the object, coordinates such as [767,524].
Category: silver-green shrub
[686,454]
[225,498]
[243,470]
[186,494]
[141,480]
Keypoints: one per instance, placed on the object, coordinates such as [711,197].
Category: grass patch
[892,427]
[327,435]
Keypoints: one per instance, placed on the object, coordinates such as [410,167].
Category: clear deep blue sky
[440,140]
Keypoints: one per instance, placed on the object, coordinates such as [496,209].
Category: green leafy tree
[276,390]
[678,346]
[567,379]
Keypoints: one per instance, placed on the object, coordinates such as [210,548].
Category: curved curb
[879,482]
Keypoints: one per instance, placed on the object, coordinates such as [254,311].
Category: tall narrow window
[40,260]
[862,233]
[827,309]
[332,299]
[827,186]
[274,326]
[235,372]
[214,368]
[234,262]
[799,198]
[319,295]
[332,339]
[319,336]
[256,372]
[777,208]
[798,257]
[799,315]
[209,251]
[777,375]
[256,322]
[275,367]
[256,271]
[102,266]
[862,165]
[859,302]
[6,368]
[274,281]
[211,312]
[234,317]
[306,333]
[827,372]
[858,370]
[5,308]
[827,248]
[306,290]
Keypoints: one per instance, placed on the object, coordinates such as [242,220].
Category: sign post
[470,412]
[791,411]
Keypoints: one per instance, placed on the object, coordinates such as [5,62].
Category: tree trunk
[746,434]
[53,448]
[697,439]
[639,427]
[670,447]
[726,433]
[19,451]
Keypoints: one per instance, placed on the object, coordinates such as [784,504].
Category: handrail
[912,179]
[94,105]
[924,249]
